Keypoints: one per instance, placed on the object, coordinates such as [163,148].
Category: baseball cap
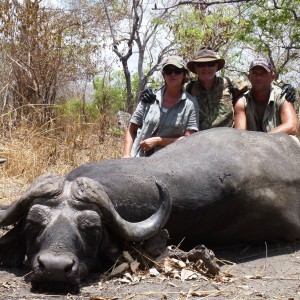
[174,60]
[262,62]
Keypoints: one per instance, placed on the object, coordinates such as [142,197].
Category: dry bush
[32,149]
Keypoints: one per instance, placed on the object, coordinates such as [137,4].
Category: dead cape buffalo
[225,186]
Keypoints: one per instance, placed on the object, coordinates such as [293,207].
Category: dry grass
[58,146]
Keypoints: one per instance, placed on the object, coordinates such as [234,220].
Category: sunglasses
[177,71]
[208,48]
[209,64]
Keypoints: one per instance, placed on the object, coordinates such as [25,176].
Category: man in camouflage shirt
[214,94]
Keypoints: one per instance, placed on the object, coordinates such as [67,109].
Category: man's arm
[240,119]
[289,122]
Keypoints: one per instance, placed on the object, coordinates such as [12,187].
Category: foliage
[110,92]
[76,109]
[241,31]
[195,28]
[273,29]
[43,50]
[215,27]
[57,146]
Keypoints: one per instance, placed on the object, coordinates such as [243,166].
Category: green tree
[240,30]
[214,27]
[273,29]
[110,92]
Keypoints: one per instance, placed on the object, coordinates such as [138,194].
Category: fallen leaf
[134,266]
[187,274]
[200,294]
[124,280]
[167,269]
[119,269]
[178,262]
[176,274]
[128,257]
[172,284]
[153,272]
[128,276]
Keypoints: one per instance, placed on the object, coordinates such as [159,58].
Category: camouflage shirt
[216,105]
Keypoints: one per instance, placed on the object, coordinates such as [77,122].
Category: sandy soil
[264,271]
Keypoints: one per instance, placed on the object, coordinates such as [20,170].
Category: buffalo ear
[12,247]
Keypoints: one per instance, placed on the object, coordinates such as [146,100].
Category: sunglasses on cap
[170,71]
[209,64]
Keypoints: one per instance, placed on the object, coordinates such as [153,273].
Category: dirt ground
[264,271]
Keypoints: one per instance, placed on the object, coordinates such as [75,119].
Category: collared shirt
[216,104]
[173,123]
[271,117]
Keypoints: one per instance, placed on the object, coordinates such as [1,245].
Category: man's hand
[289,93]
[148,96]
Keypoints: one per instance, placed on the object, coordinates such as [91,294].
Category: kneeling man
[263,108]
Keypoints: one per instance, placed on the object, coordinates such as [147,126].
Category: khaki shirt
[151,119]
[216,105]
[271,118]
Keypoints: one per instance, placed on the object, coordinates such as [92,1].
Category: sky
[54,3]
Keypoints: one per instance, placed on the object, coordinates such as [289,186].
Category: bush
[110,93]
[76,109]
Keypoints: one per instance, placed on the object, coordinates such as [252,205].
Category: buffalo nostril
[69,267]
[57,266]
[41,266]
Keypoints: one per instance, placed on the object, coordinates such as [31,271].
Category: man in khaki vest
[263,108]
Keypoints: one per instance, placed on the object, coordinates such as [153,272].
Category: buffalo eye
[37,218]
[88,220]
[89,225]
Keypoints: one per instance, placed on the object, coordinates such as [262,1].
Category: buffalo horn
[44,186]
[93,191]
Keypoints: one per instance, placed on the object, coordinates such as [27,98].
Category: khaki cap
[174,60]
